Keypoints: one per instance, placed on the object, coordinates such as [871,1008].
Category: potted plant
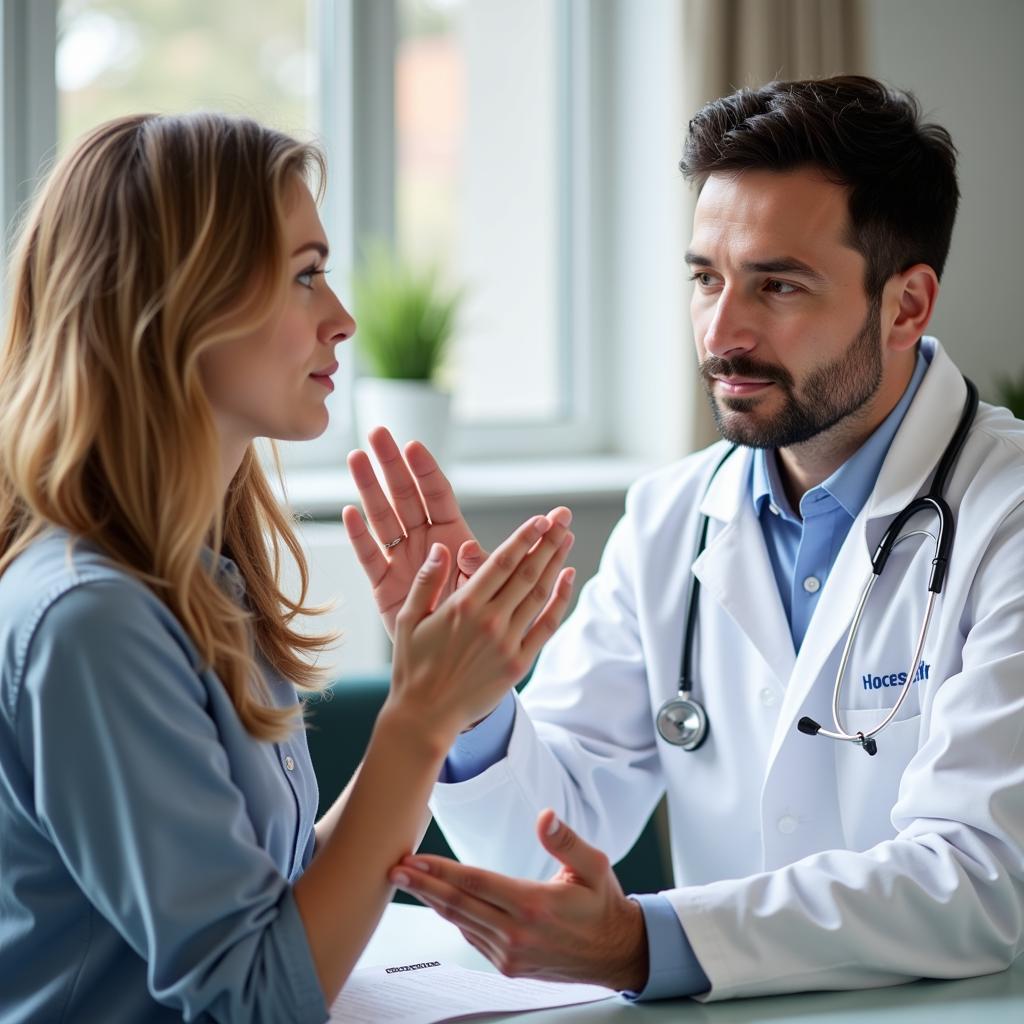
[406,319]
[1010,392]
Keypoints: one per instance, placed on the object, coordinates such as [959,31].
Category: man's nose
[729,330]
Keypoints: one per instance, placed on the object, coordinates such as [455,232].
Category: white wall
[964,62]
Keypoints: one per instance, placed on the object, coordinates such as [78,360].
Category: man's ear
[908,301]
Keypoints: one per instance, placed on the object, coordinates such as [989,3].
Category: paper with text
[430,992]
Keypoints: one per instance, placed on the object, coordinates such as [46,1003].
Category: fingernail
[570,576]
[563,516]
[399,878]
[553,825]
[542,524]
[419,865]
[435,553]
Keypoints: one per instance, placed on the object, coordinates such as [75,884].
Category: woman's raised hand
[421,511]
[456,657]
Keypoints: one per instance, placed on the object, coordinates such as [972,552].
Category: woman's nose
[339,326]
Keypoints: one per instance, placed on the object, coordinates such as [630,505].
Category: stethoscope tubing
[684,707]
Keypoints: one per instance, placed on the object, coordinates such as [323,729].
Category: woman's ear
[908,301]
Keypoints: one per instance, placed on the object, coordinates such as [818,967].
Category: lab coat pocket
[868,786]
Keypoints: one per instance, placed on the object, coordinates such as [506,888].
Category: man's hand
[577,927]
[419,510]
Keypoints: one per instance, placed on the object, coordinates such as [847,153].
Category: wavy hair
[153,240]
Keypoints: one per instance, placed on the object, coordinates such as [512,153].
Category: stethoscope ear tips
[811,728]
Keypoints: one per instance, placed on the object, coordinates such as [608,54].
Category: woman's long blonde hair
[153,240]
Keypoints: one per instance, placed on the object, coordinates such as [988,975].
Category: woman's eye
[305,278]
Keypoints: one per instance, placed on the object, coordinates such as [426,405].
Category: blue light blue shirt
[148,844]
[802,550]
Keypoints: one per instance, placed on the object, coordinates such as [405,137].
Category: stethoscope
[682,720]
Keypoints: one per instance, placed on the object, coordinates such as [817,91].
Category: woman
[158,856]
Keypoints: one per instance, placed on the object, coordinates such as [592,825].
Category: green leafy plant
[406,317]
[1010,392]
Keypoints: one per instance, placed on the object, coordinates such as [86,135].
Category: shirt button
[767,697]
[289,763]
[812,584]
[787,825]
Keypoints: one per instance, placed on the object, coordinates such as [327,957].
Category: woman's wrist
[426,735]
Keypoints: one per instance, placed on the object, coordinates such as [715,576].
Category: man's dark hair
[900,172]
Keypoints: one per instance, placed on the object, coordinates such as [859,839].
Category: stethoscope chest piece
[683,722]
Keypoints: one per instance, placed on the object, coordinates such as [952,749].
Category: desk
[410,934]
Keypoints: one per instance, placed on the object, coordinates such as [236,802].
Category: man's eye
[702,278]
[782,287]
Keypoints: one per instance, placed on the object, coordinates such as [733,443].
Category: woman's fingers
[367,550]
[506,560]
[379,513]
[438,496]
[524,585]
[405,495]
[550,618]
[540,593]
[469,558]
[425,591]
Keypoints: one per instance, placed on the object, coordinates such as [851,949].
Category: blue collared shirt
[148,843]
[802,550]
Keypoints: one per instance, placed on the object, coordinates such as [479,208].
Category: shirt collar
[852,482]
[224,571]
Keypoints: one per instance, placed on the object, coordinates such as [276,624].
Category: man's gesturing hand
[577,927]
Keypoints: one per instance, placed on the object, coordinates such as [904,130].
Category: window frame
[28,103]
[584,427]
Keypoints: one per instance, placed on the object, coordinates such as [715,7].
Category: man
[821,230]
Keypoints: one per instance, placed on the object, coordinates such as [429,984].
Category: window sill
[321,493]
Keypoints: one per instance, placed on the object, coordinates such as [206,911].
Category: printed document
[430,992]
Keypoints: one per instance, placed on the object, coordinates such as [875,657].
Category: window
[124,56]
[483,169]
[458,129]
[478,116]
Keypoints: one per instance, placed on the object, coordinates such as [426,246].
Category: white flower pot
[413,410]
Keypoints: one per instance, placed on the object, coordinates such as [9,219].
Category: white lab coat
[800,863]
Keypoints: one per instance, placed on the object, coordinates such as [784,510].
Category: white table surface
[409,934]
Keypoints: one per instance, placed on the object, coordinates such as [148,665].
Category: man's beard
[828,394]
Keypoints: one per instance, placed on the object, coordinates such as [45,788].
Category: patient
[159,858]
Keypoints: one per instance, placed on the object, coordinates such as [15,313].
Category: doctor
[821,231]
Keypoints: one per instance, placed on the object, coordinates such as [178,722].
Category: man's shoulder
[1002,428]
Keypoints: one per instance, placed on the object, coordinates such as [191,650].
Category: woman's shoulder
[62,591]
[55,564]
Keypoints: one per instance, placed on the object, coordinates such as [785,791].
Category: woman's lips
[324,376]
